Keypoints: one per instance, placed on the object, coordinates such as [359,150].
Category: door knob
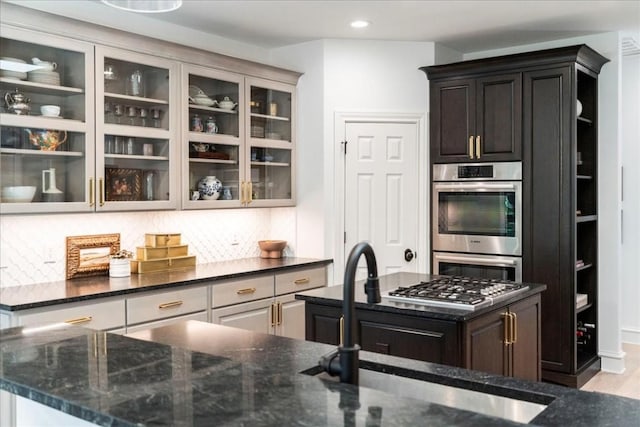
[408,255]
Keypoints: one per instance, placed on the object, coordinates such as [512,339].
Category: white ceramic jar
[209,187]
[119,267]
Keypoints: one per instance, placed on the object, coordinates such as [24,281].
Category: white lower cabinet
[201,316]
[266,304]
[155,306]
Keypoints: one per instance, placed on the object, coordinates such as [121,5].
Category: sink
[402,382]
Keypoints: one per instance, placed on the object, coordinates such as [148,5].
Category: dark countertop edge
[305,262]
[432,312]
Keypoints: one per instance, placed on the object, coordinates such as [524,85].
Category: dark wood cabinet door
[498,132]
[485,349]
[549,210]
[525,351]
[452,105]
[322,323]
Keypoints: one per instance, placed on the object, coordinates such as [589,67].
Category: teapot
[227,104]
[44,65]
[200,147]
[17,103]
[45,139]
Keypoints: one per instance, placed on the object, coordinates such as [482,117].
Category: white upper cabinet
[46,154]
[137,106]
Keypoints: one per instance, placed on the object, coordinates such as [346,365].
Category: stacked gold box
[161,252]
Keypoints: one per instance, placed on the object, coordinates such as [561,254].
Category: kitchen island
[196,373]
[501,338]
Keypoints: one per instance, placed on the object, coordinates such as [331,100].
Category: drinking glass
[118,111]
[108,112]
[131,113]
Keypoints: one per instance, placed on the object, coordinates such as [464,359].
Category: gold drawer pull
[246,291]
[507,328]
[514,328]
[302,281]
[79,320]
[170,304]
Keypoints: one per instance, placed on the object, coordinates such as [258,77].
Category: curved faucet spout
[346,364]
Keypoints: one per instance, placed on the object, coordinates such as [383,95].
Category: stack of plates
[45,77]
[10,74]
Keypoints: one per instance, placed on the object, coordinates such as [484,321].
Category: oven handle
[469,186]
[473,260]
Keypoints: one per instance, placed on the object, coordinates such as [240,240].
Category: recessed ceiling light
[359,24]
[145,6]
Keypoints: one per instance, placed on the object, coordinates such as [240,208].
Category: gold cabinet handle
[272,314]
[101,185]
[471,147]
[302,281]
[79,320]
[478,147]
[514,328]
[507,328]
[170,304]
[245,291]
[92,193]
[250,192]
[242,192]
[279,318]
[341,330]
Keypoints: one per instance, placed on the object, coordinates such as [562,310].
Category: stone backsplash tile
[33,247]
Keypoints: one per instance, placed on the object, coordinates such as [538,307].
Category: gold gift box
[150,252]
[161,239]
[150,266]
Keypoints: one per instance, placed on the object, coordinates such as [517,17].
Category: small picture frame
[123,184]
[89,255]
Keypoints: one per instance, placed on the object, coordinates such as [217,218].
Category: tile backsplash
[33,247]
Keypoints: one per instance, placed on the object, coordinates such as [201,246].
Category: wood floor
[627,384]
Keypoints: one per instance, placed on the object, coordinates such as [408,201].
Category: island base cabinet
[506,341]
[503,342]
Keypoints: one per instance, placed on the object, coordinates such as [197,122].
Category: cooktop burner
[464,293]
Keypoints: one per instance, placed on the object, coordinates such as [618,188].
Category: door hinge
[344,143]
[345,238]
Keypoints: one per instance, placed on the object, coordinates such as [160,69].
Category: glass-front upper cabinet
[46,123]
[270,142]
[137,106]
[212,138]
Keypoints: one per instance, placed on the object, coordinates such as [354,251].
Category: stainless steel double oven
[477,220]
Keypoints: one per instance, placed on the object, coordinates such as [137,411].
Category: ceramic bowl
[50,110]
[271,248]
[19,194]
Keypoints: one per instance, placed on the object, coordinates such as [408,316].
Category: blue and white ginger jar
[209,187]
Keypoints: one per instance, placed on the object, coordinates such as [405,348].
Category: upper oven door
[477,217]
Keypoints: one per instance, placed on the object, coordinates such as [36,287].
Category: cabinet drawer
[202,317]
[301,280]
[104,315]
[243,290]
[166,304]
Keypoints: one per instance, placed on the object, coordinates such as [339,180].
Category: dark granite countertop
[332,296]
[15,298]
[200,374]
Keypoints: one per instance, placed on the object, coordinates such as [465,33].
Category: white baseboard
[612,362]
[631,336]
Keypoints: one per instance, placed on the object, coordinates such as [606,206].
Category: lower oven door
[482,266]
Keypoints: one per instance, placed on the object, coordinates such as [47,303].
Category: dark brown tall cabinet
[525,107]
[560,208]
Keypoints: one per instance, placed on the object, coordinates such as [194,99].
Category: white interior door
[381,200]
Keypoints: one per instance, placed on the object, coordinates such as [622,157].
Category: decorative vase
[209,187]
[119,267]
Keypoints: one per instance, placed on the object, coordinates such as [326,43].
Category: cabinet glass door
[270,136]
[211,130]
[46,123]
[136,117]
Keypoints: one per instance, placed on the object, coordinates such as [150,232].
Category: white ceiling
[466,26]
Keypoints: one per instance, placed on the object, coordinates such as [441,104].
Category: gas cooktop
[466,293]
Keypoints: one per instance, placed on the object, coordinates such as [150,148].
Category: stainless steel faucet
[344,361]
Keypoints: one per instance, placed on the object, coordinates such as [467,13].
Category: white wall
[630,112]
[609,191]
[344,76]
